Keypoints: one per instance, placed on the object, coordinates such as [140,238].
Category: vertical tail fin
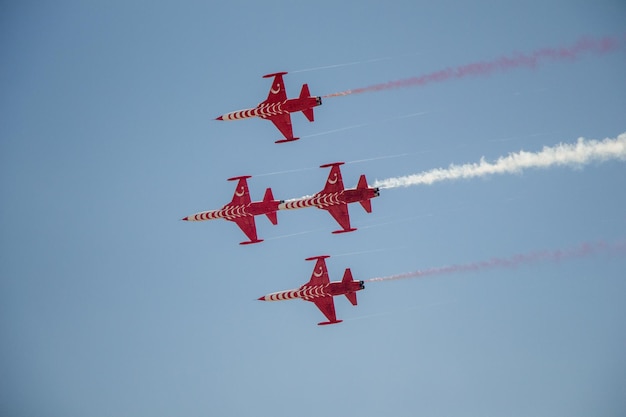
[304,93]
[362,185]
[267,198]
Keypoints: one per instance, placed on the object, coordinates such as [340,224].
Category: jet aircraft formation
[334,198]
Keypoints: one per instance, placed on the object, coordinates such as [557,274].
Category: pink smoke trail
[581,251]
[504,63]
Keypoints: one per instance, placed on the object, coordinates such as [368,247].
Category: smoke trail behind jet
[505,63]
[581,251]
[578,154]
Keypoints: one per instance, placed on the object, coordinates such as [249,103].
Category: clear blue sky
[112,306]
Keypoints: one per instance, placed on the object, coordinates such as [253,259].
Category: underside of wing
[341,215]
[327,306]
[283,123]
[248,226]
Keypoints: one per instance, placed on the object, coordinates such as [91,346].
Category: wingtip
[274,74]
[251,242]
[352,229]
[332,164]
[261,298]
[287,140]
[185,218]
[315,258]
[325,323]
[219,118]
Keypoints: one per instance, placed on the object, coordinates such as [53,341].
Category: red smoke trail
[583,250]
[505,63]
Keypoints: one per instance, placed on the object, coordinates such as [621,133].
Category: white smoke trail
[578,154]
[304,197]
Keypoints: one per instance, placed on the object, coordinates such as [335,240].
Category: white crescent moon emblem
[319,273]
[277,89]
[334,180]
[241,193]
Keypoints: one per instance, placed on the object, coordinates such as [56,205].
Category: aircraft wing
[248,226]
[242,194]
[283,123]
[277,91]
[341,215]
[320,273]
[334,183]
[326,306]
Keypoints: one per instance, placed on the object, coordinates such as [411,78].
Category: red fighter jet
[277,107]
[242,211]
[321,291]
[335,198]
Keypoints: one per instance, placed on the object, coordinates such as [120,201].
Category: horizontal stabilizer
[351,296]
[347,276]
[269,196]
[367,205]
[309,114]
[362,185]
[304,93]
[273,218]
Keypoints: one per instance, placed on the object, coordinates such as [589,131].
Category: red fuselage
[266,110]
[311,292]
[323,200]
[233,211]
